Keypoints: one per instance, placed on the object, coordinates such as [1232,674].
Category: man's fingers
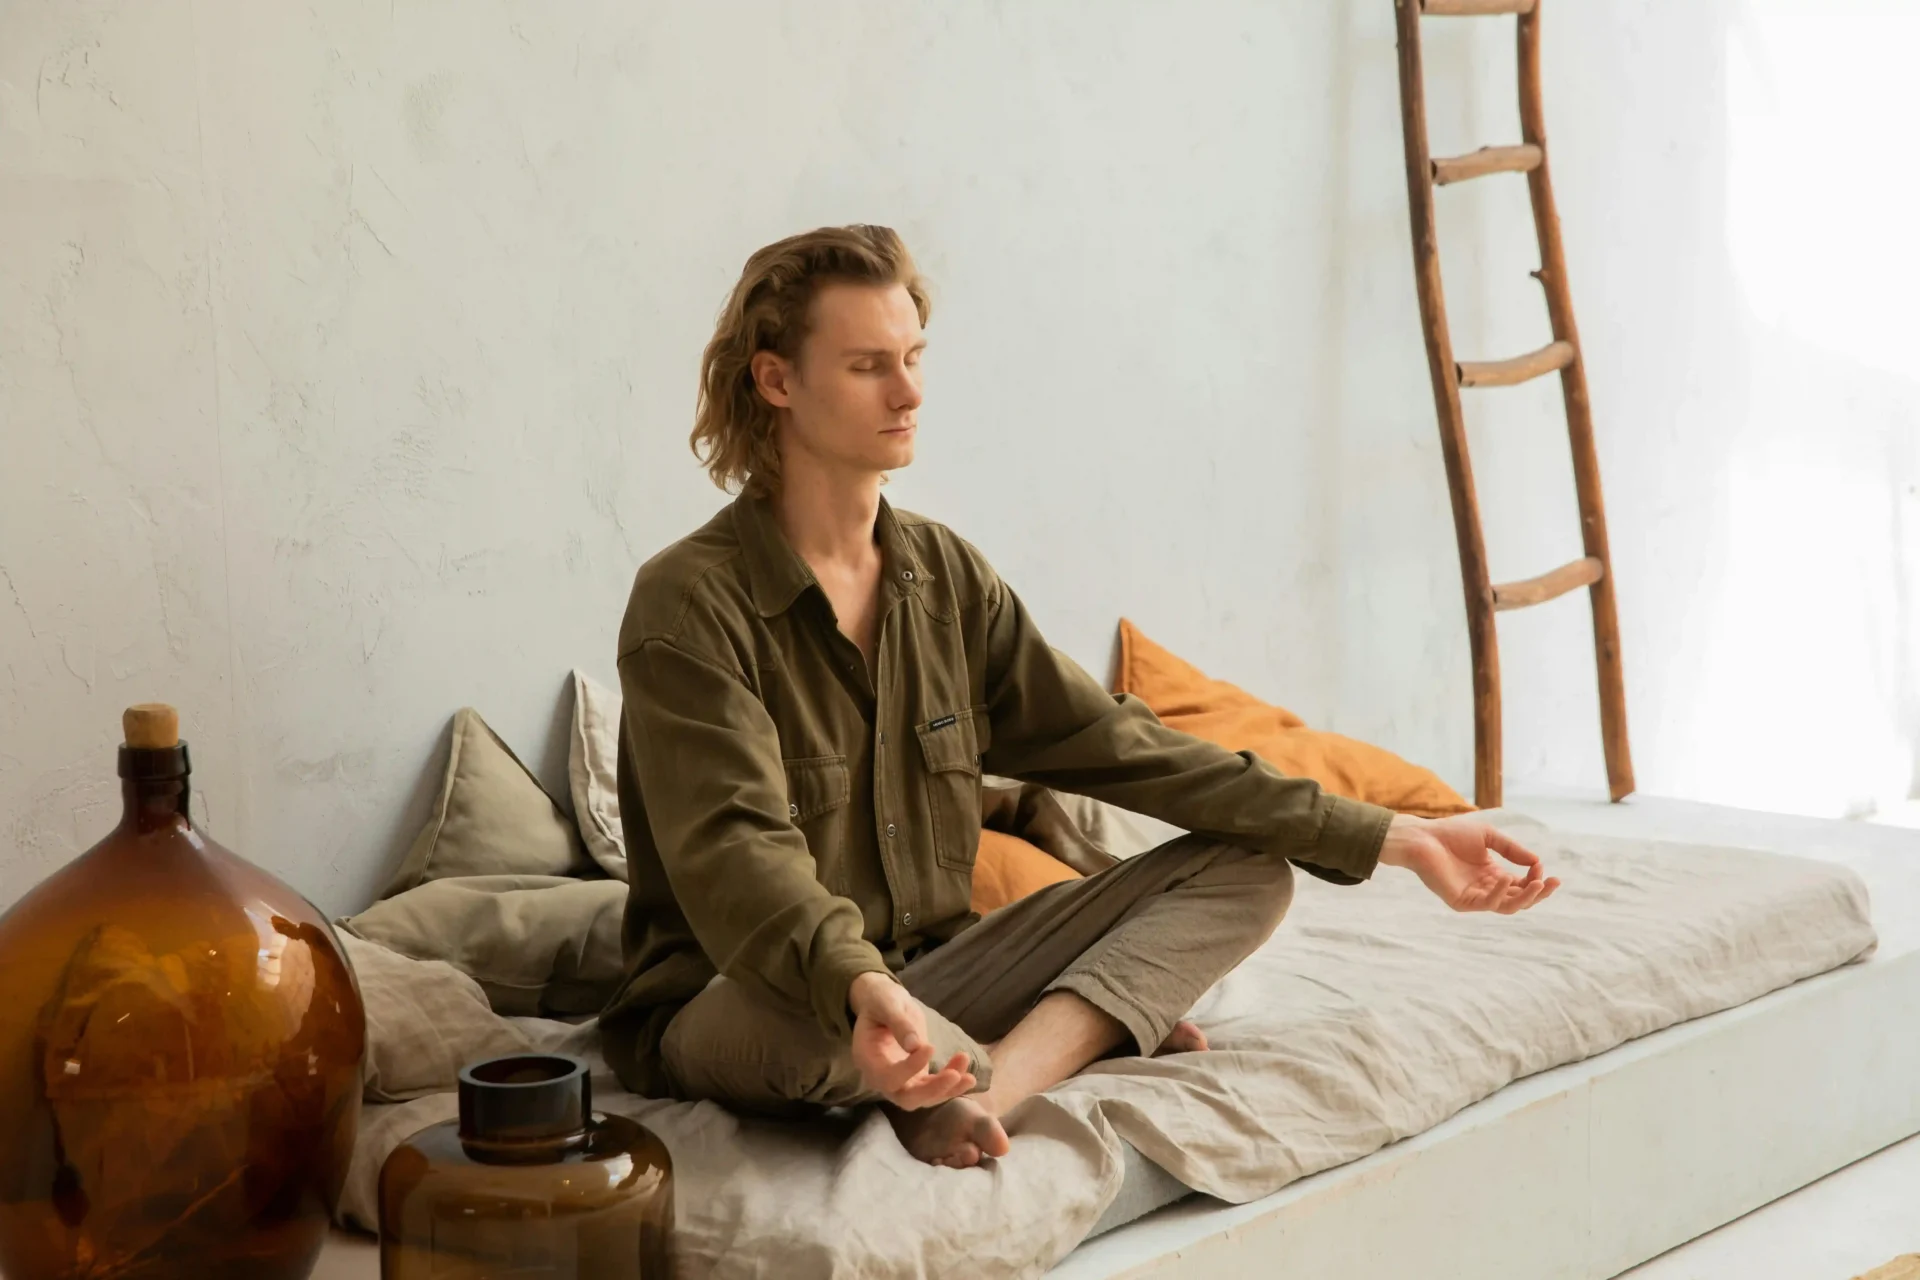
[1507,894]
[1502,895]
[911,1067]
[931,1090]
[926,1083]
[908,1020]
[1529,895]
[1510,849]
[908,1029]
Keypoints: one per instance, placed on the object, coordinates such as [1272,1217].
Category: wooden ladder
[1594,570]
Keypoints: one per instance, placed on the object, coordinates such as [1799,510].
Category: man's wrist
[860,990]
[1404,840]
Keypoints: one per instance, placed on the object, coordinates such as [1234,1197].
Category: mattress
[1372,1016]
[1848,1037]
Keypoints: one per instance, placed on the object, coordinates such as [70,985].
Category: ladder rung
[1518,595]
[1507,373]
[1521,159]
[1474,8]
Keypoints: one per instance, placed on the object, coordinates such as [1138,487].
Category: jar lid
[524,1097]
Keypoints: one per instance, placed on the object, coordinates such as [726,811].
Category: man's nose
[906,391]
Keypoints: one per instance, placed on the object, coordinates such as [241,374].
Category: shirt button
[793,811]
[907,918]
[889,831]
[907,574]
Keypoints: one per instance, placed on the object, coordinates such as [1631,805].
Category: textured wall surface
[347,354]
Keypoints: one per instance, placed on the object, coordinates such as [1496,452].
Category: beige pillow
[425,1020]
[491,818]
[546,946]
[593,756]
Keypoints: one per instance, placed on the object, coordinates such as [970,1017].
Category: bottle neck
[153,787]
[148,804]
[525,1108]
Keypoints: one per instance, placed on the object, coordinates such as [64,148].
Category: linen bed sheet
[1373,1014]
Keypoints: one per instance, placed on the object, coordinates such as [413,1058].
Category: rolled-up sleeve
[707,757]
[1053,724]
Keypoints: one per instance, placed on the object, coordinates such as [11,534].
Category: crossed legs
[1031,995]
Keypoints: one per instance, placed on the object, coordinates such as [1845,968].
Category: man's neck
[828,519]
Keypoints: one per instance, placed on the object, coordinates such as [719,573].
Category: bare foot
[1184,1038]
[953,1135]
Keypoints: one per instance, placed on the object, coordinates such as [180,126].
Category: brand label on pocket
[943,722]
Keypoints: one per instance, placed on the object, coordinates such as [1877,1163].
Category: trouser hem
[1148,1029]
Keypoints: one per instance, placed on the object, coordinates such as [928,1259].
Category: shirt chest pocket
[951,746]
[815,786]
[818,789]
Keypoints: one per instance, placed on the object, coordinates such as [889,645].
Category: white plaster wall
[347,354]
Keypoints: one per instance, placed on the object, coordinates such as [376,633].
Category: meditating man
[814,683]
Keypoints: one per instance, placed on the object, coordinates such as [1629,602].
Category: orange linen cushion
[1009,868]
[1186,699]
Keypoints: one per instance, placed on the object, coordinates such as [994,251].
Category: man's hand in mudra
[891,1048]
[1454,857]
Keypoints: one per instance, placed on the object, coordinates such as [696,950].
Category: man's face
[853,396]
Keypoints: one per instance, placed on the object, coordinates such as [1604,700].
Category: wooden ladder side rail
[1573,387]
[1595,569]
[1482,637]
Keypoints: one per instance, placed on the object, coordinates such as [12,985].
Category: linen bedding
[1373,1014]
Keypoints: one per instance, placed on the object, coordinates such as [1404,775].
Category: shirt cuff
[831,980]
[1351,835]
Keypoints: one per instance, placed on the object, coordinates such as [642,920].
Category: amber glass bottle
[528,1182]
[180,1054]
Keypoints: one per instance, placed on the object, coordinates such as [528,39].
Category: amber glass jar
[180,1054]
[527,1182]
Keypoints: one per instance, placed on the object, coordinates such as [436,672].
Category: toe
[991,1138]
[1184,1038]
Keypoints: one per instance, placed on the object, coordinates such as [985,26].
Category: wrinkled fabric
[1367,1018]
[1141,942]
[795,819]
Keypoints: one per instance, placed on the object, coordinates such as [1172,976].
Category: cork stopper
[151,726]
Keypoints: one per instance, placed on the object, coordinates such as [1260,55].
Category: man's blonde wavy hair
[733,428]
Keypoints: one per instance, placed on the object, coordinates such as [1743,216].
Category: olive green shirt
[795,819]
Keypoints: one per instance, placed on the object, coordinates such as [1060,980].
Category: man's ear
[772,376]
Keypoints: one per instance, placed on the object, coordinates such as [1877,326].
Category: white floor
[1847,1223]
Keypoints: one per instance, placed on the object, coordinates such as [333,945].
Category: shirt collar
[777,574]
